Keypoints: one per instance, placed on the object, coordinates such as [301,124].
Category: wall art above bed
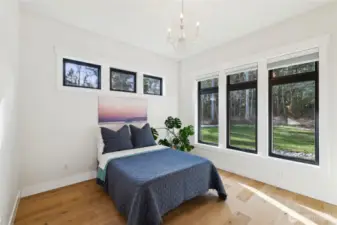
[81,74]
[121,110]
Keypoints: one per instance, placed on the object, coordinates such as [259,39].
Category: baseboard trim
[15,208]
[50,185]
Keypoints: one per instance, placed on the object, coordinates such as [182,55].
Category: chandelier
[179,41]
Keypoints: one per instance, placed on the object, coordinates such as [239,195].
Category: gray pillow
[116,140]
[142,137]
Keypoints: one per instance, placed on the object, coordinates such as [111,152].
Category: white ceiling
[144,23]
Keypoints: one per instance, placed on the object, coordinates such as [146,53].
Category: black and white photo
[123,80]
[81,74]
[153,85]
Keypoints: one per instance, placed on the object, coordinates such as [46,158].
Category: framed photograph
[81,74]
[123,80]
[121,110]
[152,85]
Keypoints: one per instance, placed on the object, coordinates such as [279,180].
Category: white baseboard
[15,207]
[50,185]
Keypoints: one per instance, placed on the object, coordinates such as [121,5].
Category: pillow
[142,137]
[116,140]
[99,142]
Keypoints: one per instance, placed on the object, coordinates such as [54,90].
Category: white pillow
[100,143]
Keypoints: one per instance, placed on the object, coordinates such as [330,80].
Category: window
[152,85]
[208,100]
[293,112]
[122,80]
[242,109]
[81,74]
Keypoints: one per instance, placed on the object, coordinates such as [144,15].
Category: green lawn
[285,137]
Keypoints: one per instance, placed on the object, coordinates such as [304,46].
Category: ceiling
[144,23]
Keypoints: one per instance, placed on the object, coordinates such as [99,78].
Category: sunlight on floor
[321,214]
[295,215]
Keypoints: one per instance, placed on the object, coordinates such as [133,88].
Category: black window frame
[98,67]
[294,78]
[201,91]
[125,72]
[156,78]
[241,87]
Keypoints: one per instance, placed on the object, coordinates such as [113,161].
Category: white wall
[318,182]
[57,126]
[9,157]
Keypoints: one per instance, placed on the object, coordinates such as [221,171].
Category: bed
[146,183]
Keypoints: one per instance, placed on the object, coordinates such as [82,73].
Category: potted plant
[178,137]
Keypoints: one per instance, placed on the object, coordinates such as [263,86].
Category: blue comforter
[146,186]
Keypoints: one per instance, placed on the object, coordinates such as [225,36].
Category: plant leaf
[175,141]
[177,123]
[164,142]
[169,122]
[154,133]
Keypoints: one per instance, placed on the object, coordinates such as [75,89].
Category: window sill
[241,150]
[293,162]
[207,148]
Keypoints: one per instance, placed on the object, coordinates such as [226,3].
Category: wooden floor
[249,202]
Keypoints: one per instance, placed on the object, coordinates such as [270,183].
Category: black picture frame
[155,78]
[295,78]
[67,83]
[126,72]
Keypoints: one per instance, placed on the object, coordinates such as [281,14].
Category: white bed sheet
[105,158]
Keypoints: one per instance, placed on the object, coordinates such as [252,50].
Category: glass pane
[209,83]
[152,86]
[296,69]
[243,77]
[122,81]
[294,120]
[80,75]
[242,119]
[209,118]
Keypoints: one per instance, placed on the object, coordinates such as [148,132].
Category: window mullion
[293,78]
[242,86]
[209,90]
[222,110]
[262,106]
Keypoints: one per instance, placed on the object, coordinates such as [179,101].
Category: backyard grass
[287,138]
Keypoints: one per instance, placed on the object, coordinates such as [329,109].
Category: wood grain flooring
[249,202]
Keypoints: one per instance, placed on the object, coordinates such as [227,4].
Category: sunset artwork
[121,110]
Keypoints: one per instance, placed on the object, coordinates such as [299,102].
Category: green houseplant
[178,135]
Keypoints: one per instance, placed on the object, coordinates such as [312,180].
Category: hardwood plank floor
[249,202]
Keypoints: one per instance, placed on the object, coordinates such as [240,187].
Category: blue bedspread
[146,186]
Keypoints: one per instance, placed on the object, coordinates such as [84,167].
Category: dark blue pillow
[116,140]
[142,137]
